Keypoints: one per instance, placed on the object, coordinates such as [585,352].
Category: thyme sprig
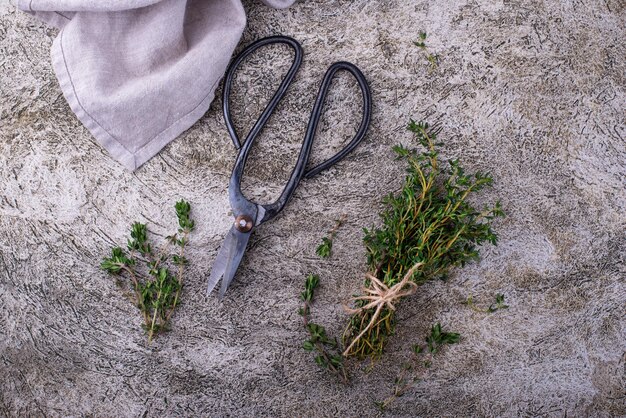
[429,222]
[156,289]
[328,355]
[421,360]
[325,248]
[432,58]
[496,306]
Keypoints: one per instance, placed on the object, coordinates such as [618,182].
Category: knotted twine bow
[381,295]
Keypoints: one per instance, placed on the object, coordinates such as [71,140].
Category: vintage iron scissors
[248,215]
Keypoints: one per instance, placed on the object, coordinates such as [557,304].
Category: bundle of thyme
[428,228]
[156,289]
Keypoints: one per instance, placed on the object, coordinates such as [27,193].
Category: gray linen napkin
[137,73]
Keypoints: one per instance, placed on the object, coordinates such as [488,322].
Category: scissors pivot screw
[243,223]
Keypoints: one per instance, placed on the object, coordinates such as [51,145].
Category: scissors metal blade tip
[228,260]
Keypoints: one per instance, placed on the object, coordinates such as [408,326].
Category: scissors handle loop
[316,115]
[282,89]
[238,202]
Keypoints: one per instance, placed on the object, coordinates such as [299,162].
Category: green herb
[437,338]
[328,357]
[428,228]
[434,341]
[432,59]
[421,42]
[156,289]
[499,304]
[324,249]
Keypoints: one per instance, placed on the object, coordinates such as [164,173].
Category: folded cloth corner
[137,73]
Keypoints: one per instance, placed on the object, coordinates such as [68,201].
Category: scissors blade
[241,242]
[221,261]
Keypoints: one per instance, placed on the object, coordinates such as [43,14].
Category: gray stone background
[532,91]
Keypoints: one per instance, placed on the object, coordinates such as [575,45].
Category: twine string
[379,296]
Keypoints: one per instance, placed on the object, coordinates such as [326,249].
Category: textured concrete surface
[532,90]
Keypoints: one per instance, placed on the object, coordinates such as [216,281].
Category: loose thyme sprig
[420,361]
[156,289]
[429,224]
[496,306]
[325,248]
[432,59]
[328,356]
